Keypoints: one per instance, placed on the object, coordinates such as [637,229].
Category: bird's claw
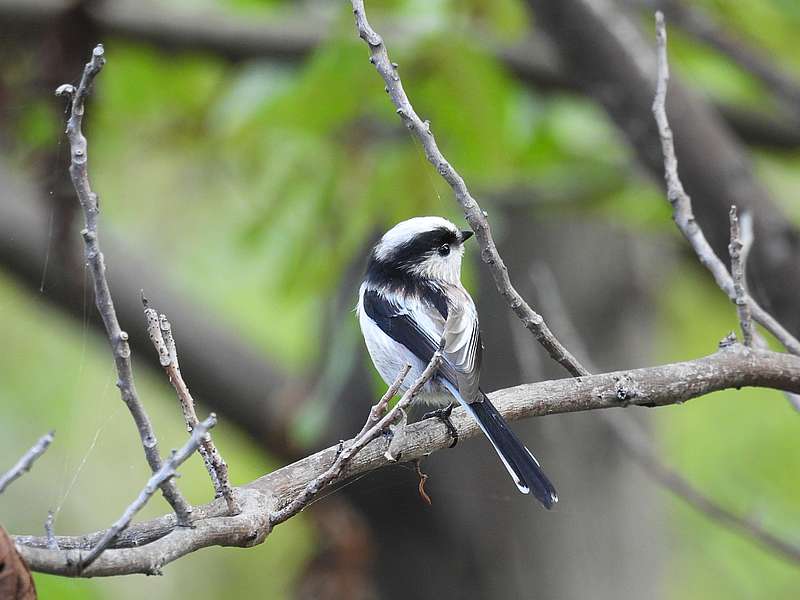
[443,414]
[339,450]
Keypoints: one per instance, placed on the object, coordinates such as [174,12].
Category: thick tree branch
[150,545]
[25,463]
[475,216]
[94,257]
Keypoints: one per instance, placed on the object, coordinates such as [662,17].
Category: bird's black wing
[420,326]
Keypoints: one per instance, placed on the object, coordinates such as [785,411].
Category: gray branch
[476,217]
[682,204]
[738,254]
[167,471]
[152,544]
[160,332]
[25,463]
[94,257]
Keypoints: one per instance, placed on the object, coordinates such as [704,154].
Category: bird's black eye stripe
[420,247]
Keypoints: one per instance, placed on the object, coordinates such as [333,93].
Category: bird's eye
[444,249]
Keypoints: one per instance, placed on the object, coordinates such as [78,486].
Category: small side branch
[167,471]
[118,338]
[738,254]
[160,332]
[375,426]
[378,411]
[476,217]
[25,463]
[681,203]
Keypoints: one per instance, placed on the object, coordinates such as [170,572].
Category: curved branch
[150,545]
[475,215]
[118,339]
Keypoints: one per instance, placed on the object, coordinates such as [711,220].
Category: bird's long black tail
[521,464]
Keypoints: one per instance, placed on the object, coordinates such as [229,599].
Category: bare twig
[738,258]
[168,470]
[160,332]
[682,204]
[49,531]
[105,305]
[475,216]
[368,433]
[147,546]
[377,412]
[26,462]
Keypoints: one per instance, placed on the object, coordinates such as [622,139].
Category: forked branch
[94,257]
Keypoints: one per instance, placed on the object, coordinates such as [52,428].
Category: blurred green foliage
[263,184]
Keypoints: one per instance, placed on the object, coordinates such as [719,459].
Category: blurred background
[247,157]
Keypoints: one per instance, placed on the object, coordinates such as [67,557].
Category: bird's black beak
[466,234]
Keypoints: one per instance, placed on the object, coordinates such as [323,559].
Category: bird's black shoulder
[398,324]
[381,275]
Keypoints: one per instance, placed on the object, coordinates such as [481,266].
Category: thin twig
[367,434]
[49,531]
[160,332]
[377,412]
[26,462]
[105,305]
[473,213]
[738,257]
[682,204]
[167,471]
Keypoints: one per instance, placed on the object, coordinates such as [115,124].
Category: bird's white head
[426,247]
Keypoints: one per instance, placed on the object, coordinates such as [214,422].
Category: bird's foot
[443,414]
[339,450]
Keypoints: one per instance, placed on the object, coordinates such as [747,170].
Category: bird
[411,303]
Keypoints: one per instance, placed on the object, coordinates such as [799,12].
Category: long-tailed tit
[410,302]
